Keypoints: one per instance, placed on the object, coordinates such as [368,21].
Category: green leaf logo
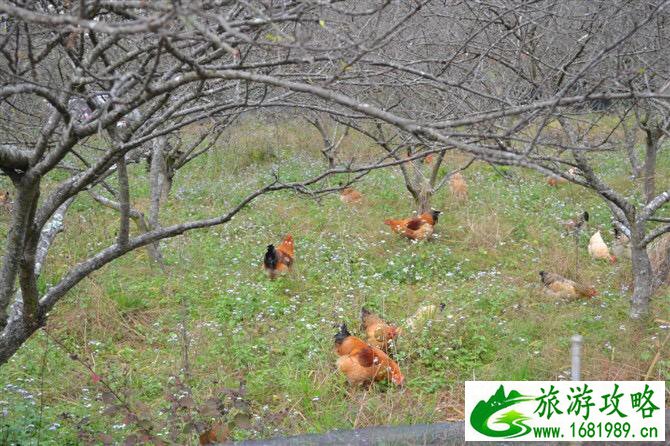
[485,411]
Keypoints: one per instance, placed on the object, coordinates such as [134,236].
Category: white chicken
[418,319]
[598,249]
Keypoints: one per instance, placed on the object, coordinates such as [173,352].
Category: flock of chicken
[362,361]
[559,286]
[367,360]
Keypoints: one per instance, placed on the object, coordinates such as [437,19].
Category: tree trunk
[22,219]
[139,220]
[166,185]
[160,188]
[14,336]
[630,142]
[409,185]
[158,179]
[652,138]
[27,277]
[425,198]
[18,329]
[643,278]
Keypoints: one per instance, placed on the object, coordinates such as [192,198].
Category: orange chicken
[555,180]
[558,286]
[378,332]
[280,259]
[416,228]
[362,363]
[599,250]
[350,195]
[458,187]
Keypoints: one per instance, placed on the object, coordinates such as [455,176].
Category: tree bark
[158,179]
[652,139]
[630,140]
[166,184]
[124,202]
[643,278]
[16,333]
[27,273]
[331,144]
[425,198]
[139,220]
[161,183]
[23,213]
[18,328]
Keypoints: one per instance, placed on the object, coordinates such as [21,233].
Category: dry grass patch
[486,230]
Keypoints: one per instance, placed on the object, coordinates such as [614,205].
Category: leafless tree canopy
[87,87]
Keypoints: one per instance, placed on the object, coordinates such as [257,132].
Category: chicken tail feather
[271,259]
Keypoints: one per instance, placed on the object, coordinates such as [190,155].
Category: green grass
[278,336]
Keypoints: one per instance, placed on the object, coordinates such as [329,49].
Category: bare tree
[534,85]
[84,88]
[332,135]
[422,171]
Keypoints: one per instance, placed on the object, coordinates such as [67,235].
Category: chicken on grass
[280,259]
[362,363]
[416,228]
[598,250]
[378,332]
[349,195]
[556,285]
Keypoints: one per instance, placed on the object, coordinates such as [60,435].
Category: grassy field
[125,321]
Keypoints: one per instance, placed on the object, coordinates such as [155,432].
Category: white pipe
[575,372]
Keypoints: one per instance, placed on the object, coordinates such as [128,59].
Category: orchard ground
[125,320]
